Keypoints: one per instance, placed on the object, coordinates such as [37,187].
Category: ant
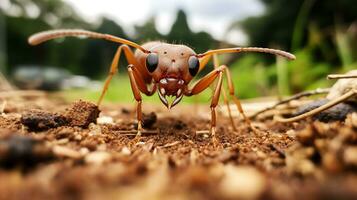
[166,68]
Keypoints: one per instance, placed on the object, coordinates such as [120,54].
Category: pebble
[242,182]
[105,120]
[350,156]
[125,151]
[94,129]
[149,120]
[63,151]
[98,157]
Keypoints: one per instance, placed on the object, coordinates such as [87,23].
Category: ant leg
[203,61]
[225,99]
[114,69]
[319,109]
[236,100]
[207,80]
[138,99]
[136,89]
[203,84]
[214,103]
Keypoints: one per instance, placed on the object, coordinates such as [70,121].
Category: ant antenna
[249,49]
[41,37]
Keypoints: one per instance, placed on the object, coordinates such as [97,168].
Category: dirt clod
[22,150]
[39,120]
[82,113]
[149,120]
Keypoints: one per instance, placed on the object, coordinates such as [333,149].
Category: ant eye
[152,60]
[193,65]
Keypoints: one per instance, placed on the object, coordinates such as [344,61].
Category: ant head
[172,67]
[173,61]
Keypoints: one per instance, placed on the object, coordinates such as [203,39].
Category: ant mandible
[166,68]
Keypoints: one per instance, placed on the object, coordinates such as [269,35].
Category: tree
[147,32]
[99,54]
[288,25]
[52,14]
[181,33]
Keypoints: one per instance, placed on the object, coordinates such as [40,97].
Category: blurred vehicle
[49,78]
[78,82]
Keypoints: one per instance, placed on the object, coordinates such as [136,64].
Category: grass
[120,91]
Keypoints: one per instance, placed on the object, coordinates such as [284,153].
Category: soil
[51,149]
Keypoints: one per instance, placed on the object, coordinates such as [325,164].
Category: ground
[53,149]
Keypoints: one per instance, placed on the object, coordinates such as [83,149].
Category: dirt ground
[51,149]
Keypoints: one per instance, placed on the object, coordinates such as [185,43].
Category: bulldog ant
[166,68]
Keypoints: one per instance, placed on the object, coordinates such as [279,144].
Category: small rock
[194,156]
[331,163]
[82,113]
[242,182]
[105,120]
[84,151]
[94,129]
[306,136]
[125,151]
[98,157]
[125,111]
[350,156]
[62,151]
[22,150]
[39,120]
[353,119]
[66,132]
[179,125]
[298,160]
[149,120]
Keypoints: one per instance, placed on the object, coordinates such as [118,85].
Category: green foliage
[287,23]
[321,34]
[120,91]
[19,52]
[250,78]
[303,72]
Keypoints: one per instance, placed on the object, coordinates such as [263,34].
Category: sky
[212,16]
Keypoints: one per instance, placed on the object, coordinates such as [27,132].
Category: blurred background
[321,33]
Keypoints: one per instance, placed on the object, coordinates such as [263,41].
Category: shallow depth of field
[56,143]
